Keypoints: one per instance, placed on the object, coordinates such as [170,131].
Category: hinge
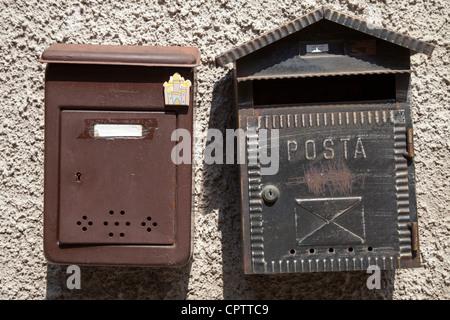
[414,237]
[410,143]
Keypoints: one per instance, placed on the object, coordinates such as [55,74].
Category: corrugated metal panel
[270,37]
[314,16]
[306,75]
[378,32]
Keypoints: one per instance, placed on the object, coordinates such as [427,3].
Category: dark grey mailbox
[343,197]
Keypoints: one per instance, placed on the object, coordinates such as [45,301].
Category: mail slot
[113,192]
[332,93]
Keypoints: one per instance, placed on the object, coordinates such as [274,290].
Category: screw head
[270,193]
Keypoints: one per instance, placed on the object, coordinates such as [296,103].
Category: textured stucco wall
[29,27]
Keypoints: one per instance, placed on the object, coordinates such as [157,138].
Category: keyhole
[270,194]
[78,177]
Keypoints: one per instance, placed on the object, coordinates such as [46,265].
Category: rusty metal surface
[315,16]
[100,191]
[122,55]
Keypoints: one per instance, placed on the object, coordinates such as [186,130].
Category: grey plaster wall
[29,27]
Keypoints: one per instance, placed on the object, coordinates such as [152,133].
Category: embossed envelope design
[330,221]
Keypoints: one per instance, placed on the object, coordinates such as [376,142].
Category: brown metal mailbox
[337,90]
[113,194]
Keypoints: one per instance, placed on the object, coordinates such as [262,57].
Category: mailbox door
[343,191]
[115,187]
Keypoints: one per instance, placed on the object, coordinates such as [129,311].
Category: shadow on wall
[128,283]
[224,180]
[172,283]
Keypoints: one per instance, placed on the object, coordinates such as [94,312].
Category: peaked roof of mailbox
[315,16]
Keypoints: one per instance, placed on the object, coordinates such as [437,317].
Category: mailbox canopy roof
[323,13]
[122,55]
